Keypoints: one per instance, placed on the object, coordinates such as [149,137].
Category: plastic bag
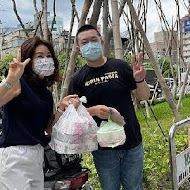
[110,134]
[75,132]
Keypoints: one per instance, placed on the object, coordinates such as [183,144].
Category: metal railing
[180,164]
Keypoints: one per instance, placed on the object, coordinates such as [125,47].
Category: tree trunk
[46,30]
[19,19]
[150,53]
[74,53]
[39,16]
[122,5]
[69,43]
[183,88]
[116,30]
[39,24]
[110,31]
[96,12]
[54,16]
[71,27]
[106,45]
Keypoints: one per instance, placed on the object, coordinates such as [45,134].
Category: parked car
[157,91]
[169,82]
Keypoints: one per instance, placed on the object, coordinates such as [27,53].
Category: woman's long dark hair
[27,51]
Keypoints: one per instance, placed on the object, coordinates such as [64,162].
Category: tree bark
[69,43]
[110,32]
[54,16]
[71,27]
[39,16]
[46,30]
[96,12]
[19,19]
[122,5]
[116,30]
[106,45]
[183,88]
[39,24]
[74,53]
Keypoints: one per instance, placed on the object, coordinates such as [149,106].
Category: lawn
[156,149]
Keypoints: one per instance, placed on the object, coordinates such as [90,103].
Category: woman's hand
[16,68]
[70,99]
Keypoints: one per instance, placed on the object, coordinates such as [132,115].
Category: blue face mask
[91,51]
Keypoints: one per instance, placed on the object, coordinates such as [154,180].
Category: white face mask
[44,66]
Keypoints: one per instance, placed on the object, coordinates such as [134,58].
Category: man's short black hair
[86,27]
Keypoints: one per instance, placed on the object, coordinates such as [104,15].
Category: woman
[27,111]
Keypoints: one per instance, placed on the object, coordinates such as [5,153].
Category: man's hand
[139,72]
[101,111]
[16,68]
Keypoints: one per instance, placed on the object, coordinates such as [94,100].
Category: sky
[63,9]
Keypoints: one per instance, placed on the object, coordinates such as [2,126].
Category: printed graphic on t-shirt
[102,79]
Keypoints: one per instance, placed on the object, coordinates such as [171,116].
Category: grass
[156,149]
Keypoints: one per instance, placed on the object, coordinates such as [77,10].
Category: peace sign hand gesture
[139,72]
[16,68]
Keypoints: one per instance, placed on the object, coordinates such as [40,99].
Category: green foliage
[168,74]
[62,58]
[93,176]
[4,63]
[148,65]
[112,54]
[165,65]
[128,58]
[156,150]
[80,62]
[156,166]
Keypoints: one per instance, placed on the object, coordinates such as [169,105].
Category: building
[185,39]
[57,26]
[11,41]
[12,38]
[160,45]
[60,42]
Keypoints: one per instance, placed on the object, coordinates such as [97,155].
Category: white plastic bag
[75,132]
[110,134]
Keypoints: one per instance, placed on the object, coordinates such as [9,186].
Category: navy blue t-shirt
[110,85]
[26,117]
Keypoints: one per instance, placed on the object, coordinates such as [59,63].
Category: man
[108,82]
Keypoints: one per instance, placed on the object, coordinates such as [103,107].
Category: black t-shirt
[110,85]
[26,117]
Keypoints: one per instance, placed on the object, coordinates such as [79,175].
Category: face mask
[91,51]
[44,66]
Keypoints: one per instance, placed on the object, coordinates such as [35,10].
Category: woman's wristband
[140,81]
[6,84]
[59,110]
